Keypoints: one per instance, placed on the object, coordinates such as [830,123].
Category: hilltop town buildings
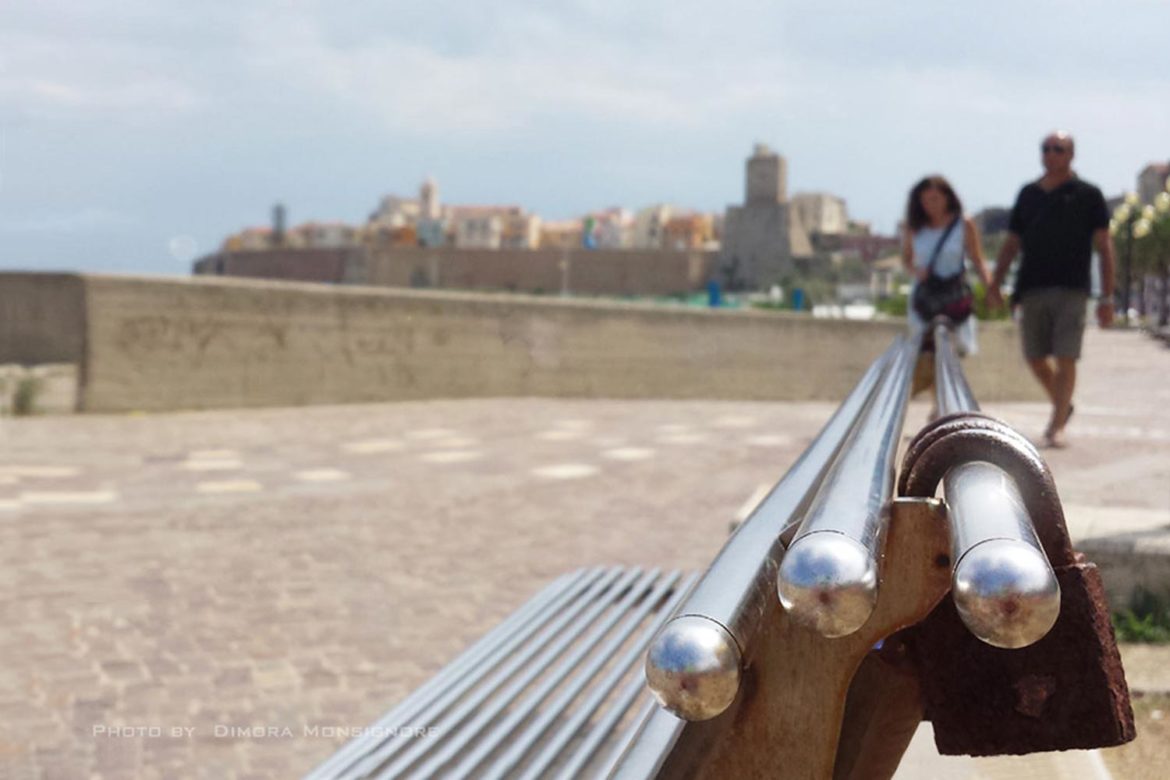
[771,238]
[821,213]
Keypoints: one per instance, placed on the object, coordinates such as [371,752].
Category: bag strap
[938,247]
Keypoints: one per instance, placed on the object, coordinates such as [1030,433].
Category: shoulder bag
[943,296]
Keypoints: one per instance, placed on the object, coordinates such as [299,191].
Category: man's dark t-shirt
[1056,233]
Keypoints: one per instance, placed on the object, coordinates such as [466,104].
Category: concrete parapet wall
[42,318]
[161,344]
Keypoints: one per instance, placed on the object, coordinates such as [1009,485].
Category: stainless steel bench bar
[722,616]
[562,629]
[1003,584]
[544,693]
[583,671]
[466,666]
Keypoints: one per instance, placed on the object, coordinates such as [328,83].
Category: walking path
[213,594]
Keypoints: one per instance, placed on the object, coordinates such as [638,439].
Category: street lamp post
[1128,217]
[1160,219]
[1138,223]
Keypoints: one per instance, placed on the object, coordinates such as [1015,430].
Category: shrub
[1146,620]
[24,400]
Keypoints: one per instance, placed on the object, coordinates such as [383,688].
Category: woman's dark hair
[916,218]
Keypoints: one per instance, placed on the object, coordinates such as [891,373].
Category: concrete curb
[1132,561]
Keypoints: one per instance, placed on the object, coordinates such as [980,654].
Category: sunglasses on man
[1053,149]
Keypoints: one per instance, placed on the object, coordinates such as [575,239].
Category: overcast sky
[135,133]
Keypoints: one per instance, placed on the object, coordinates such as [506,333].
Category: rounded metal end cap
[693,667]
[828,582]
[1006,592]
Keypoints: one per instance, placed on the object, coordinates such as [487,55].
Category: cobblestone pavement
[167,581]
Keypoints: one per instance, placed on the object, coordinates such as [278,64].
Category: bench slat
[460,675]
[545,692]
[635,687]
[487,708]
[585,672]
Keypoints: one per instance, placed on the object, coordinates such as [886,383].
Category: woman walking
[936,241]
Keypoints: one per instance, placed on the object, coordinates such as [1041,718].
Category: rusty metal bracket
[1065,691]
[971,436]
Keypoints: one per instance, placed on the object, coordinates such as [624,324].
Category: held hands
[1104,307]
[994,298]
[1105,312]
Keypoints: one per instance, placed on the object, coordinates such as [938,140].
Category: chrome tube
[828,578]
[1003,585]
[482,708]
[504,662]
[506,727]
[694,665]
[951,389]
[626,698]
[540,765]
[517,627]
[652,737]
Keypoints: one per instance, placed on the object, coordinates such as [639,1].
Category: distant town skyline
[136,135]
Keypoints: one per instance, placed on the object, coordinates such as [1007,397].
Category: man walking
[1057,221]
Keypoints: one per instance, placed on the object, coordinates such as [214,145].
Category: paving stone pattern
[210,595]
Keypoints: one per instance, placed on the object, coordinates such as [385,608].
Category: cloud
[83,220]
[148,95]
[57,74]
[530,65]
[195,112]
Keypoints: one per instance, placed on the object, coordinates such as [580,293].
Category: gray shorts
[1052,322]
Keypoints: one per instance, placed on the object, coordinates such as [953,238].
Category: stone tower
[757,247]
[428,199]
[766,177]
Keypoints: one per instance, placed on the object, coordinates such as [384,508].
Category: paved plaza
[168,580]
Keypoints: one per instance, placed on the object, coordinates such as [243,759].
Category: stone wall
[303,265]
[579,271]
[163,344]
[757,245]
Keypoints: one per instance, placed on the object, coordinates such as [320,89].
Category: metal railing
[828,579]
[1003,584]
[550,693]
[542,695]
[694,666]
[825,575]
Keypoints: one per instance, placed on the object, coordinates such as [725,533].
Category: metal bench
[818,638]
[550,692]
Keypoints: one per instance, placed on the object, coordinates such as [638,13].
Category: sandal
[1055,440]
